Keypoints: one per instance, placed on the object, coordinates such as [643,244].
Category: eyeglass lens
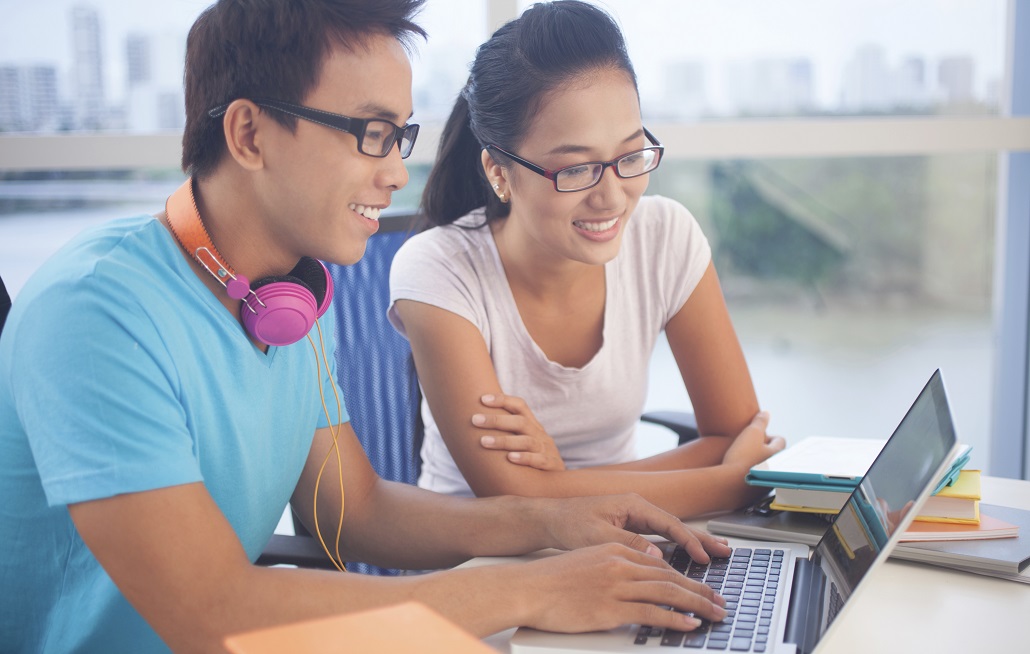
[381,135]
[633,164]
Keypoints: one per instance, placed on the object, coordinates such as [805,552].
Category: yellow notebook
[408,627]
[958,503]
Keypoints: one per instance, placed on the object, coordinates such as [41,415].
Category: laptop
[785,597]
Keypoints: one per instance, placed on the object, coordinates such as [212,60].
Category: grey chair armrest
[681,422]
[301,551]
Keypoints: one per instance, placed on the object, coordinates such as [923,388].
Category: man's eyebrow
[379,111]
[578,149]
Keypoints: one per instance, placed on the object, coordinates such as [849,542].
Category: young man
[151,436]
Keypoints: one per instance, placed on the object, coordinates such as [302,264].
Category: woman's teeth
[596,227]
[372,213]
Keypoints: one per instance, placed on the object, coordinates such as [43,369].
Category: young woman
[533,306]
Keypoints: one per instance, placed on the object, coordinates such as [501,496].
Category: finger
[510,403]
[776,443]
[509,423]
[645,517]
[510,443]
[760,421]
[660,618]
[535,460]
[674,530]
[681,595]
[705,545]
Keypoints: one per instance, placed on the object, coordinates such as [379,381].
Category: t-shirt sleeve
[97,394]
[434,268]
[684,254]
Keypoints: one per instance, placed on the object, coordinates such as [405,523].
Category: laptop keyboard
[749,580]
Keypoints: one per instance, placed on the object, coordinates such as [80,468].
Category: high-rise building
[87,67]
[10,99]
[910,87]
[138,59]
[28,99]
[154,95]
[867,81]
[685,92]
[955,78]
[771,86]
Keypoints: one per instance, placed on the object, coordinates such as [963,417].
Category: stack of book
[818,474]
[813,479]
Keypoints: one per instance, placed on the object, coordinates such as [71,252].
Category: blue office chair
[376,375]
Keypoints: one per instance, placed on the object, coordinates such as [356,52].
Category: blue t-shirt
[121,372]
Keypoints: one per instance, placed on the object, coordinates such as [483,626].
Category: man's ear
[242,136]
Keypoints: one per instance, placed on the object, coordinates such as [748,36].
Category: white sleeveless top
[591,412]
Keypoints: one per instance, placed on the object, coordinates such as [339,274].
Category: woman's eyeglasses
[580,177]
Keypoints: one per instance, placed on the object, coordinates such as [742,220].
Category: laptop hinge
[806,600]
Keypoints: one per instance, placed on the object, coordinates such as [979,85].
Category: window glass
[850,280]
[116,65]
[728,58]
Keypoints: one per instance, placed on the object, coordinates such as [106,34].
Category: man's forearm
[430,530]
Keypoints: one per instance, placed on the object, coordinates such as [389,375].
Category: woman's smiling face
[595,117]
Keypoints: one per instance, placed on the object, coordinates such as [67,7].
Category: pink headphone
[278,310]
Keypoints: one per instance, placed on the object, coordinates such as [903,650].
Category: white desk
[934,609]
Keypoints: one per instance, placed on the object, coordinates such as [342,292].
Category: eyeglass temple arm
[549,174]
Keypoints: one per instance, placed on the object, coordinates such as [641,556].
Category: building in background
[88,69]
[154,96]
[771,86]
[955,77]
[28,99]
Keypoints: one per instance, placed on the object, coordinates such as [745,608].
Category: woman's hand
[525,440]
[753,445]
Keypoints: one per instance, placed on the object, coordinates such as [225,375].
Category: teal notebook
[824,463]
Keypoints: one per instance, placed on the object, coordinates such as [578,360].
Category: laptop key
[672,638]
[740,644]
[694,640]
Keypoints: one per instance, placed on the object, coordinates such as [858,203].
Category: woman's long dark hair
[548,45]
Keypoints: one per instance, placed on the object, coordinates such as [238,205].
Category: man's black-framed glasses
[376,136]
[580,177]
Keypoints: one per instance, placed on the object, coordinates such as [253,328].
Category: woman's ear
[496,175]
[240,125]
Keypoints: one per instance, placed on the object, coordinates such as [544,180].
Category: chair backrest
[5,304]
[374,367]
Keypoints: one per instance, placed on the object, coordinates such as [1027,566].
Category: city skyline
[779,72]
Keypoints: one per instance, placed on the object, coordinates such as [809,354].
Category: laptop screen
[883,499]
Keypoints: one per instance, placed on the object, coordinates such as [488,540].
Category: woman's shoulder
[659,208]
[446,241]
[659,218]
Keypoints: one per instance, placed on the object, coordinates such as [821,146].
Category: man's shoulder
[101,265]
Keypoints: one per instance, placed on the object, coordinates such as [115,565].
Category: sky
[715,32]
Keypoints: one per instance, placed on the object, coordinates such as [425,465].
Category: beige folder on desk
[408,627]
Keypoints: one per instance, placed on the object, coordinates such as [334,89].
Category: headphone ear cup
[314,273]
[281,310]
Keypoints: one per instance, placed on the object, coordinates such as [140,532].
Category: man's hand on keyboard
[584,521]
[610,585]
